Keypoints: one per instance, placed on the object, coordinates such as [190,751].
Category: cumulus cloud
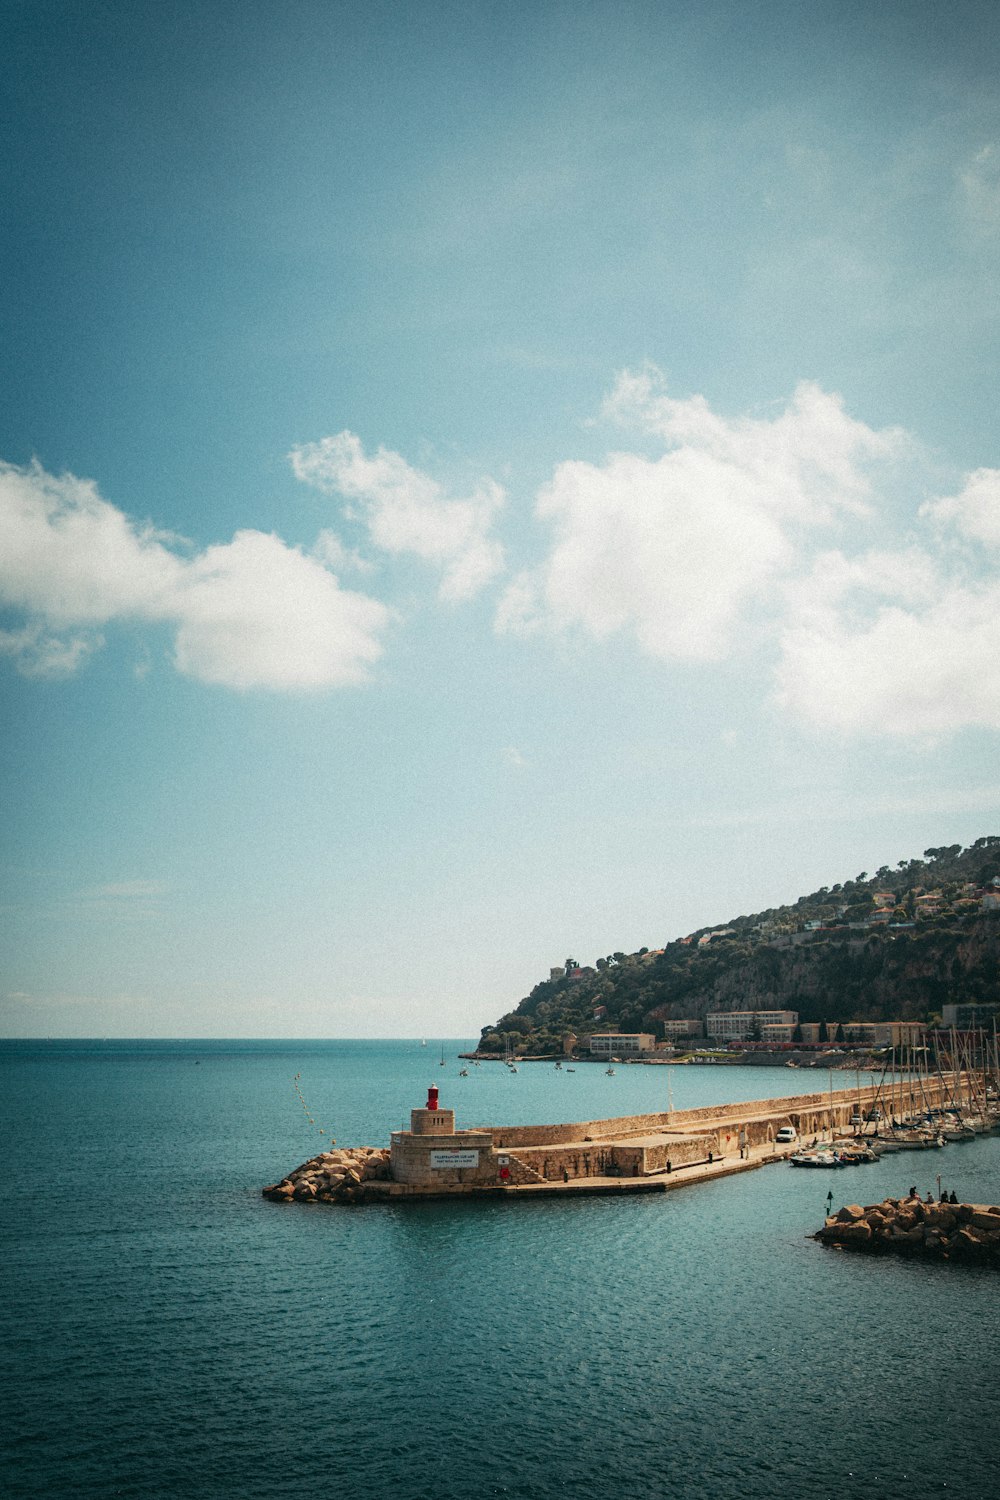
[256,612]
[251,613]
[405,510]
[681,549]
[899,642]
[807,462]
[778,532]
[974,512]
[921,672]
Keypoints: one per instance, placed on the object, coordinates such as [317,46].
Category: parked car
[786,1135]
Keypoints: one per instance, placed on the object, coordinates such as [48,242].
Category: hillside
[897,945]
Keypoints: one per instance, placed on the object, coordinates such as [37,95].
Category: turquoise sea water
[167,1332]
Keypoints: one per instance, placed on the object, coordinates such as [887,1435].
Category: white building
[621,1043]
[740,1025]
[674,1029]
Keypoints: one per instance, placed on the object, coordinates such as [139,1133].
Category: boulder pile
[339,1176]
[944,1231]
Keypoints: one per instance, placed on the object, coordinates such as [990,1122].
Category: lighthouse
[432,1153]
[432,1119]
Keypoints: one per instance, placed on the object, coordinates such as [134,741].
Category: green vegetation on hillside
[896,945]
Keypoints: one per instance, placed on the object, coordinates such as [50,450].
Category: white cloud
[70,558]
[767,532]
[405,510]
[332,553]
[893,643]
[252,613]
[36,653]
[924,673]
[807,463]
[683,549]
[259,614]
[975,511]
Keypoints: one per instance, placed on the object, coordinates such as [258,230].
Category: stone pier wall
[809,1113]
[614,1158]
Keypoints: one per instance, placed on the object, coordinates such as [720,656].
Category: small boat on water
[610,1072]
[815,1159]
[853,1155]
[917,1140]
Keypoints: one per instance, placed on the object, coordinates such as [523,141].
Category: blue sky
[480,482]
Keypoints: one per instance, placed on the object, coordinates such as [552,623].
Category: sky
[480,483]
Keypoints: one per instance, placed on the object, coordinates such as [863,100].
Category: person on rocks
[953,1199]
[912,1193]
[930,1197]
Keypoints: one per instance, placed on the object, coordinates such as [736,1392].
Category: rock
[912,1236]
[985,1219]
[850,1213]
[856,1233]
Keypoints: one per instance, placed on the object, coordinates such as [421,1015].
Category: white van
[786,1135]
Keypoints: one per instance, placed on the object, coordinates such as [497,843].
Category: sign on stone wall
[452,1159]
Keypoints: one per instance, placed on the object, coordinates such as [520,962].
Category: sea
[167,1332]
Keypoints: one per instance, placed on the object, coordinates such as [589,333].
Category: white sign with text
[454,1159]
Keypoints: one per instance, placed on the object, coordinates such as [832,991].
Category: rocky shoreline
[907,1226]
[339,1176]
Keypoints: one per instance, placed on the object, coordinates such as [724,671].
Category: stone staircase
[522,1173]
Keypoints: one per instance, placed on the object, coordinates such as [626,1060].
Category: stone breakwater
[333,1177]
[653,1152]
[906,1226]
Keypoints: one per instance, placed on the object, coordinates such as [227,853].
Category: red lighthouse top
[432,1096]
